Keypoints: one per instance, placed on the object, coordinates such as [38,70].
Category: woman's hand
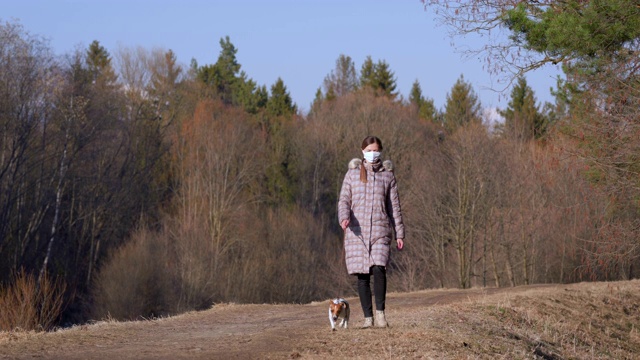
[400,243]
[344,224]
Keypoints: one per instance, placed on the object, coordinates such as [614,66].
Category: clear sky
[296,40]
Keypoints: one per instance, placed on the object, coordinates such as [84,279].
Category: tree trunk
[56,216]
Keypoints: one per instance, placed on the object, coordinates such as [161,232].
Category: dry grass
[25,306]
[578,321]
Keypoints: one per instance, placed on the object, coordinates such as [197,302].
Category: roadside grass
[577,321]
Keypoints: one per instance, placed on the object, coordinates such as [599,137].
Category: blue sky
[296,40]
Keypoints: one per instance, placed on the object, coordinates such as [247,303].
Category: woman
[369,212]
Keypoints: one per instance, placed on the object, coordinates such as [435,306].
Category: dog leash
[343,256]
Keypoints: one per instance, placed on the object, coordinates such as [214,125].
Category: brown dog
[338,309]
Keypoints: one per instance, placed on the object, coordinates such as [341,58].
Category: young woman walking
[369,212]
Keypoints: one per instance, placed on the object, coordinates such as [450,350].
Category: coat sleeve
[394,210]
[344,201]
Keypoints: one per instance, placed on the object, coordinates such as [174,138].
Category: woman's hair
[366,142]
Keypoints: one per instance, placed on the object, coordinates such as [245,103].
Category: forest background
[131,186]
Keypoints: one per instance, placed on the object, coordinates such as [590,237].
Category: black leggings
[379,288]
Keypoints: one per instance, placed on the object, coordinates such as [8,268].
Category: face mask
[371,156]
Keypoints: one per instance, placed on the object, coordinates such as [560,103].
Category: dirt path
[226,331]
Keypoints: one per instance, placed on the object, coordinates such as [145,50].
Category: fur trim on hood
[355,163]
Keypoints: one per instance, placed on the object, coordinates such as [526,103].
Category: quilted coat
[373,211]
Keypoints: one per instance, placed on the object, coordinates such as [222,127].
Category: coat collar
[355,163]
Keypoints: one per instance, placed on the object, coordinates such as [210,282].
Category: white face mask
[371,156]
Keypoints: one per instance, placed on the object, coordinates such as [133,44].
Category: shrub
[27,306]
[135,281]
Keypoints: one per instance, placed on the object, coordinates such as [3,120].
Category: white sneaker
[380,320]
[368,322]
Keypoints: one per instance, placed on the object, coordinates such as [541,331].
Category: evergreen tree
[99,64]
[248,95]
[229,83]
[367,73]
[317,102]
[415,96]
[279,180]
[589,32]
[331,94]
[462,106]
[522,116]
[318,98]
[222,76]
[193,69]
[79,74]
[262,97]
[244,94]
[280,102]
[426,107]
[384,79]
[378,77]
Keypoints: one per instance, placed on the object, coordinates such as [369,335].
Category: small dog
[338,309]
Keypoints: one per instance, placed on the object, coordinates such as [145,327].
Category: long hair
[366,142]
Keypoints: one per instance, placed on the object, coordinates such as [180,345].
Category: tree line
[147,188]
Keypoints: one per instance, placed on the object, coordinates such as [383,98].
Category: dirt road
[230,331]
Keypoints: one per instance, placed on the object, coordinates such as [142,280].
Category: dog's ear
[344,305]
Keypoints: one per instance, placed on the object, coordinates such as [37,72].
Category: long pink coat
[373,210]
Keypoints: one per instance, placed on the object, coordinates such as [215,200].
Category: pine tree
[280,102]
[367,73]
[99,64]
[317,102]
[462,106]
[244,94]
[280,180]
[588,31]
[222,76]
[415,96]
[262,97]
[331,94]
[229,83]
[384,79]
[378,77]
[193,68]
[426,107]
[523,119]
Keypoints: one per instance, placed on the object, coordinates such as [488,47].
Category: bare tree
[343,79]
[27,83]
[218,159]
